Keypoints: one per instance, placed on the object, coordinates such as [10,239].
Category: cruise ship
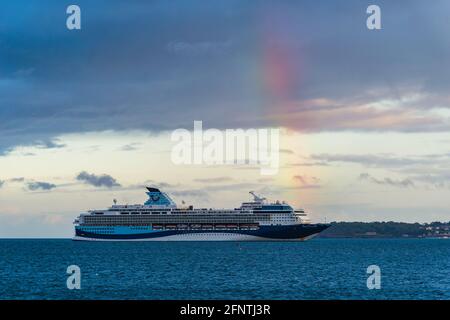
[159,219]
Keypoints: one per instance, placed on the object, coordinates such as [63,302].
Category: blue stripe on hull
[269,232]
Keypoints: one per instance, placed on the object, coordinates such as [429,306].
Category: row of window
[179,216]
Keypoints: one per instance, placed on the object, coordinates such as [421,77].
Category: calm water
[317,269]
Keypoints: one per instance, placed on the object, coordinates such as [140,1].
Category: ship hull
[299,232]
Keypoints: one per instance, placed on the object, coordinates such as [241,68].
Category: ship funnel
[156,197]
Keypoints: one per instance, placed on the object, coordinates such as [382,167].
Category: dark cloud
[34,186]
[387,181]
[49,144]
[2,182]
[103,180]
[41,144]
[305,65]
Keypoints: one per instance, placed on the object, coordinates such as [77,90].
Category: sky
[86,115]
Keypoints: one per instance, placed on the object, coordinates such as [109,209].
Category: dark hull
[268,233]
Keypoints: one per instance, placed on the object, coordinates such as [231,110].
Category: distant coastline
[361,230]
[388,229]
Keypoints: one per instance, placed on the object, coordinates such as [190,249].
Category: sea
[315,269]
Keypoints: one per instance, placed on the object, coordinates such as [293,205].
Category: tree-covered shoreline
[388,229]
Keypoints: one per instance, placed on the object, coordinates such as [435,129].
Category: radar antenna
[256,198]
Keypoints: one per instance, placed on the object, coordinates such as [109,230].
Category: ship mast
[256,198]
